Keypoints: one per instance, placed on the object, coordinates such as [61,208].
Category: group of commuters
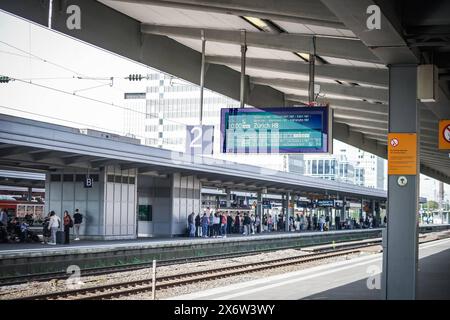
[52,224]
[298,222]
[14,230]
[218,224]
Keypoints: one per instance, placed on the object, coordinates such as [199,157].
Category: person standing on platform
[237,223]
[314,222]
[78,219]
[252,224]
[211,224]
[68,223]
[191,225]
[258,224]
[205,222]
[46,233]
[223,224]
[229,223]
[337,222]
[247,222]
[270,223]
[321,222]
[216,225]
[53,226]
[3,224]
[198,225]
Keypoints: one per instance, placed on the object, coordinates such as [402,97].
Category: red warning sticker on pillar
[402,154]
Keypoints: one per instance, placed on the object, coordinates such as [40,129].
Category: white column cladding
[120,203]
[185,199]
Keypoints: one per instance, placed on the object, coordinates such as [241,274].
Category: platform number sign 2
[199,139]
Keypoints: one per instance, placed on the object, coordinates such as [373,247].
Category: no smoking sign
[394,142]
[444,134]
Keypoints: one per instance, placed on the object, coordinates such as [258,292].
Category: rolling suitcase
[59,237]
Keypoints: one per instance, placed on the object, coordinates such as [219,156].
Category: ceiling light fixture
[257,22]
[304,56]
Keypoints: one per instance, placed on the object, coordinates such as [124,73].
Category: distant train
[33,211]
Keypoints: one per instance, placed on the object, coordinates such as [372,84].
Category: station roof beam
[344,48]
[364,75]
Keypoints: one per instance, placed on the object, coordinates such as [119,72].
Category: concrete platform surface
[30,249]
[346,280]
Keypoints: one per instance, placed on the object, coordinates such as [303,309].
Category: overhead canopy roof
[22,179]
[351,65]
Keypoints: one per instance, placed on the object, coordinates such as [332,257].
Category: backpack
[70,223]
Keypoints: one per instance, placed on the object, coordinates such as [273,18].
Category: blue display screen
[275,130]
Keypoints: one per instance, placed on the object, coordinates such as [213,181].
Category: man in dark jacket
[237,223]
[247,222]
[229,223]
[77,220]
[337,222]
[191,225]
[198,225]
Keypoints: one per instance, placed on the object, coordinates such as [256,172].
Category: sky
[46,58]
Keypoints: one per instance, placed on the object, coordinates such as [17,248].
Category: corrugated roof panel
[180,17]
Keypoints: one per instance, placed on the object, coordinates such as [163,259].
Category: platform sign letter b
[88,182]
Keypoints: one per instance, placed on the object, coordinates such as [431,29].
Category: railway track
[120,289]
[96,271]
[115,290]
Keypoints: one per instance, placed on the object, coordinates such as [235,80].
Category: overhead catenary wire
[78,74]
[152,115]
[81,76]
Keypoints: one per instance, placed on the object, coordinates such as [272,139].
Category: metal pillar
[312,71]
[401,254]
[30,194]
[287,215]
[202,76]
[243,58]
[259,209]
[283,209]
[292,206]
[374,218]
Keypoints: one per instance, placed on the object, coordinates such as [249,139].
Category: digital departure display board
[276,130]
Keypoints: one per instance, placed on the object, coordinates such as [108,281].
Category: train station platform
[355,279]
[32,258]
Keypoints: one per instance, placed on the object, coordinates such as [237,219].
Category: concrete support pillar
[29,194]
[375,221]
[228,191]
[217,202]
[361,210]
[343,209]
[400,255]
